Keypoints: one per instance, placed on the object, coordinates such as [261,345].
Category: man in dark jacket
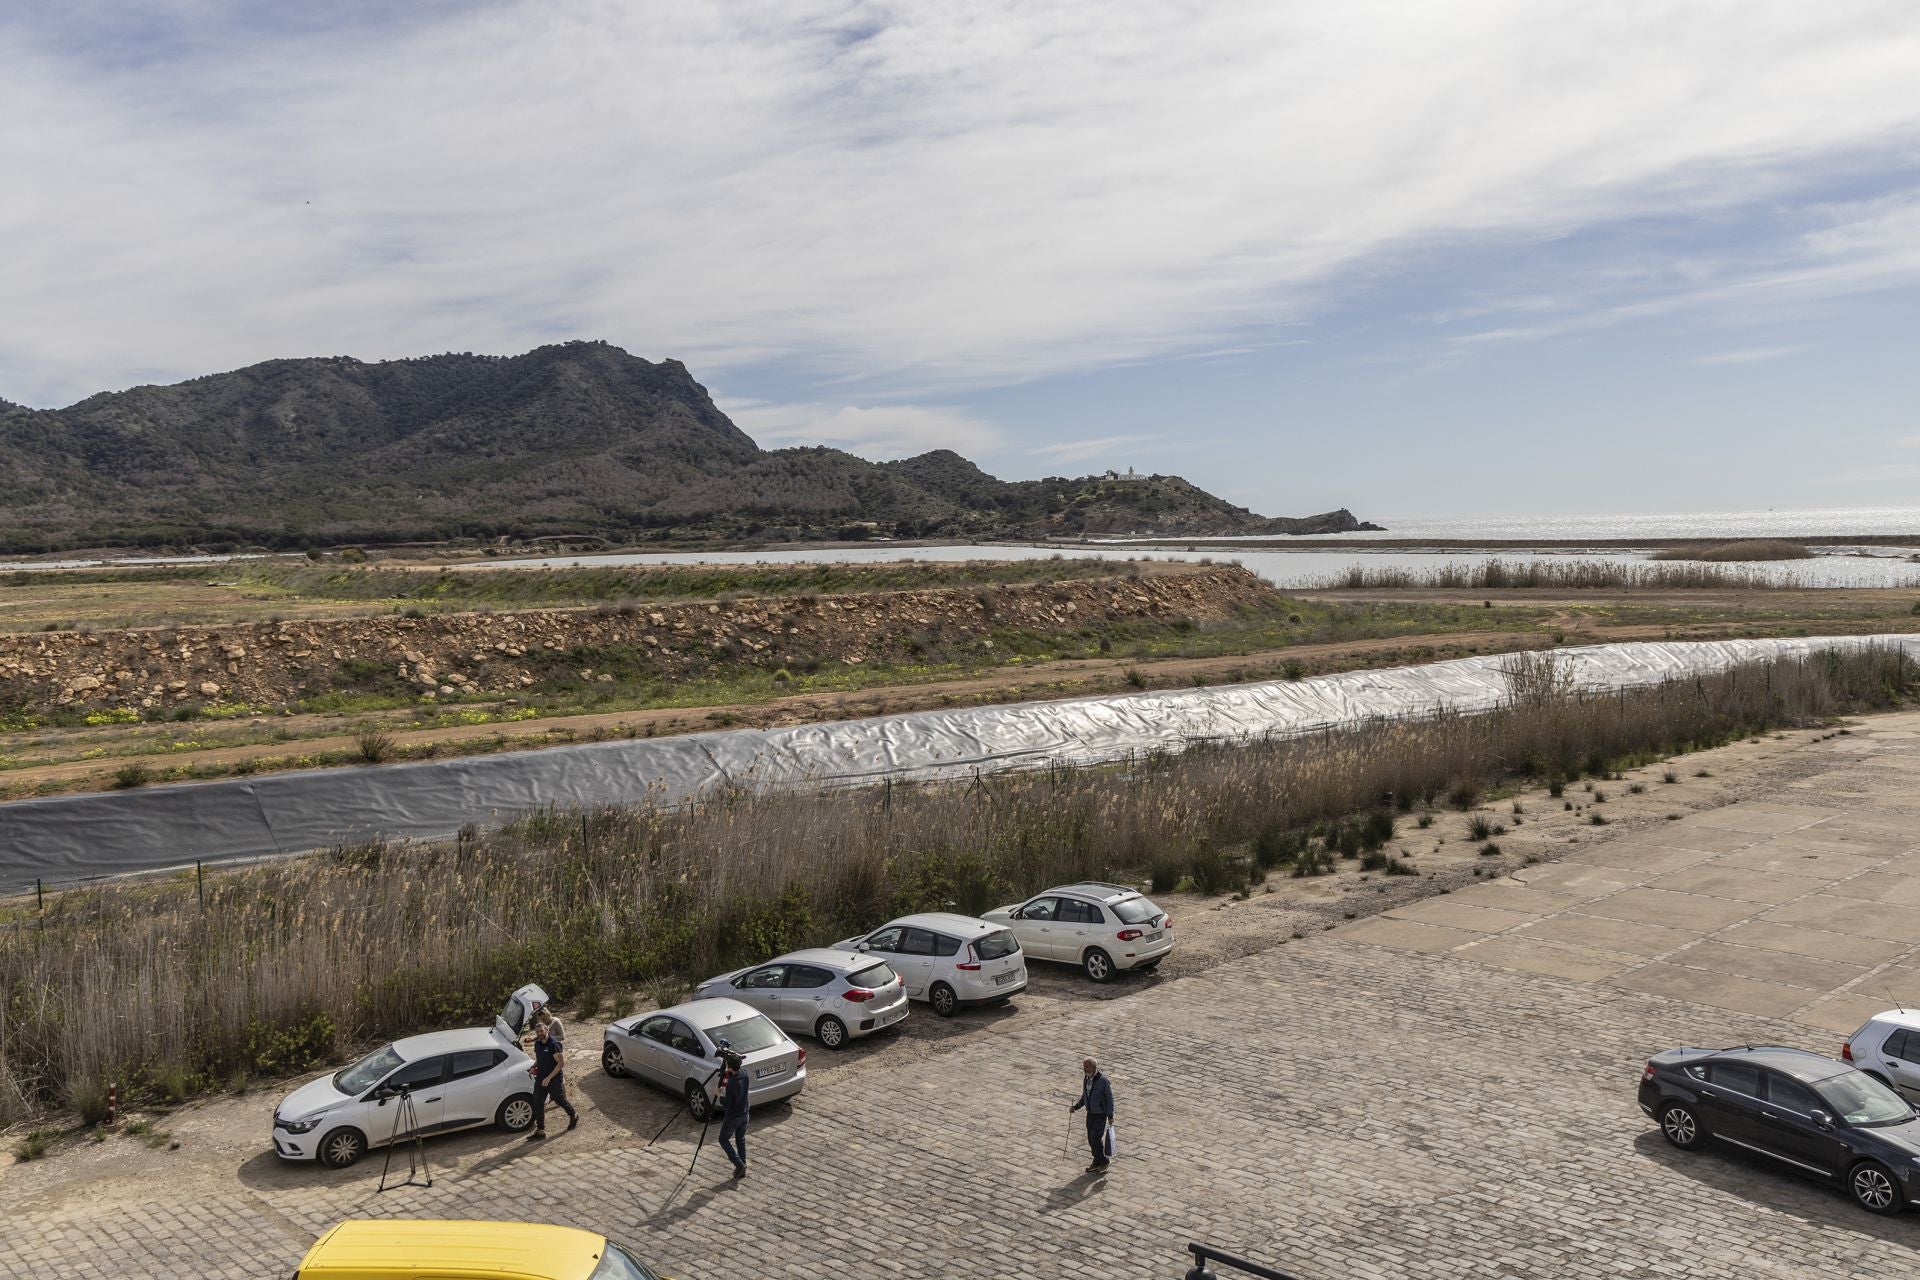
[549,1081]
[733,1114]
[1096,1095]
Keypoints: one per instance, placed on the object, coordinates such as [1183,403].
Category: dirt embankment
[500,653]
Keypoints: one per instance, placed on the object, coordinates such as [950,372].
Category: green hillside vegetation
[579,439]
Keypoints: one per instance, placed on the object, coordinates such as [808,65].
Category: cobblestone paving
[1338,1107]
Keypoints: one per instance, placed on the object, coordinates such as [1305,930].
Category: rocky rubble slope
[153,672]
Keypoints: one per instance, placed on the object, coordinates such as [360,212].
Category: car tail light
[856,994]
[972,964]
[1647,1074]
[968,968]
[802,1060]
[1846,1051]
[899,980]
[1128,935]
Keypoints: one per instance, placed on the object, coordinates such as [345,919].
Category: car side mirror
[381,1094]
[865,946]
[1822,1119]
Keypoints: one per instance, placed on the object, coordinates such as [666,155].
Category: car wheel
[516,1113]
[699,1105]
[611,1062]
[1098,964]
[944,1002]
[342,1148]
[831,1032]
[1681,1126]
[1874,1188]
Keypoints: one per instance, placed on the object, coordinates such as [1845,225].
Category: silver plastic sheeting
[69,838]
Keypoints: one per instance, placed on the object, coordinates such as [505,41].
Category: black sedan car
[1799,1108]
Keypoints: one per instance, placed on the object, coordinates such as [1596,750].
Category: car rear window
[748,1034]
[993,946]
[1134,910]
[874,976]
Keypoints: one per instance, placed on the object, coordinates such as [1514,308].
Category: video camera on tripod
[407,1116]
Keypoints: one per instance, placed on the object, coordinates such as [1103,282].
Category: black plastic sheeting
[71,838]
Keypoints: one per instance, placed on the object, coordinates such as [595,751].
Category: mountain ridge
[572,439]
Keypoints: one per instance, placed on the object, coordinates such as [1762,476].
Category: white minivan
[950,961]
[435,1083]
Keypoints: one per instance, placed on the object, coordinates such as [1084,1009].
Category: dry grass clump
[1747,549]
[294,962]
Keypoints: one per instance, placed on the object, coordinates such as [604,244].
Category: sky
[1499,257]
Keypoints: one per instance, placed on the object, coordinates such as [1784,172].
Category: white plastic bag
[1113,1145]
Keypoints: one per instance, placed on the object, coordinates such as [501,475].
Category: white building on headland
[1129,477]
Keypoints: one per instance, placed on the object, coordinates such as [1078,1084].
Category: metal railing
[1203,1254]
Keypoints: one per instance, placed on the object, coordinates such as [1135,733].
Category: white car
[1103,928]
[829,995]
[444,1080]
[678,1050]
[1888,1049]
[948,960]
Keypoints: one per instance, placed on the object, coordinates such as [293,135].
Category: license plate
[1004,978]
[1154,937]
[762,1073]
[891,1018]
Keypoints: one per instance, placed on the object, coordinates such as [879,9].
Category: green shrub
[1135,677]
[1479,828]
[88,1098]
[1489,850]
[1401,867]
[1465,793]
[1293,670]
[1377,828]
[1274,845]
[131,775]
[1425,820]
[1556,788]
[1669,776]
[31,1146]
[1597,819]
[1374,860]
[372,743]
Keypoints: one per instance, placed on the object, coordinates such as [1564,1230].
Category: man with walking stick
[734,1111]
[1096,1095]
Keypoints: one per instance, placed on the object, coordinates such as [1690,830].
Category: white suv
[948,960]
[1102,928]
[1888,1049]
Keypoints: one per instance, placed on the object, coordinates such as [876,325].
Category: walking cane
[1068,1149]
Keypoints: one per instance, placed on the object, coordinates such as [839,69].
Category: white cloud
[878,432]
[1747,355]
[1093,447]
[910,197]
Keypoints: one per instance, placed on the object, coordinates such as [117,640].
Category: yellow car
[418,1249]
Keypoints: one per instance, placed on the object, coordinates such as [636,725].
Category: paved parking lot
[1442,1091]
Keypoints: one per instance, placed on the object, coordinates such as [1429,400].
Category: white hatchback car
[826,994]
[678,1050]
[1103,928]
[447,1080]
[948,960]
[1888,1049]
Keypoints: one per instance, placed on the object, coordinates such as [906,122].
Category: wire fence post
[39,894]
[200,883]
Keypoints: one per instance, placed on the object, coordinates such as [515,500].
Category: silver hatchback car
[679,1050]
[833,996]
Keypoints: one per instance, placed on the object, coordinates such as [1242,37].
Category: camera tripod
[698,1146]
[417,1170]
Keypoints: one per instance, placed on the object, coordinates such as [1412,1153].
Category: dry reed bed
[294,962]
[1577,575]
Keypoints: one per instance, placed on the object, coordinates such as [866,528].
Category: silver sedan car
[678,1050]
[833,996]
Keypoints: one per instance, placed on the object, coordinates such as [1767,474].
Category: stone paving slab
[1403,1097]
